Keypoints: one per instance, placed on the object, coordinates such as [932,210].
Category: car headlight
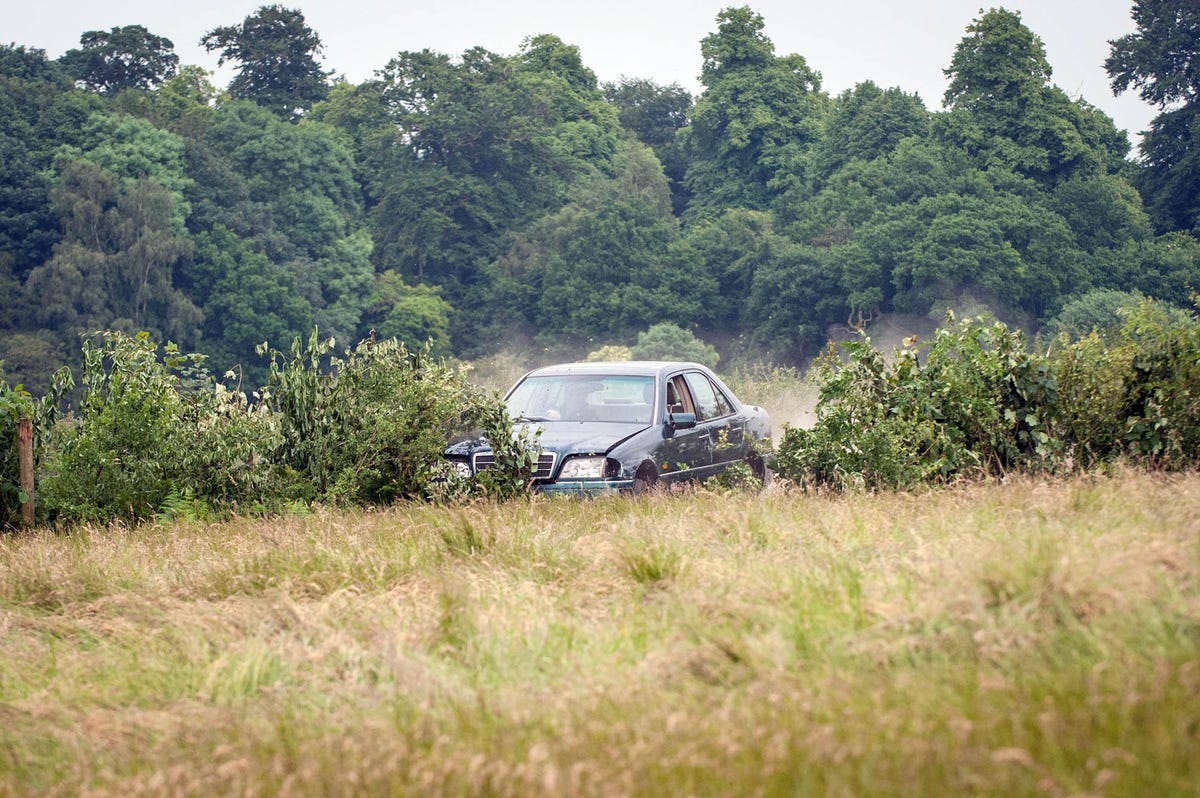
[583,468]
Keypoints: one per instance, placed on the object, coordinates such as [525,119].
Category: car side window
[724,406]
[709,401]
[678,398]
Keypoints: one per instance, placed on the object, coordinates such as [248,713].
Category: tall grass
[1026,638]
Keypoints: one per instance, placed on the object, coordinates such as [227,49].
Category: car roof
[631,367]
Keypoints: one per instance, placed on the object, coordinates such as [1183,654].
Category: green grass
[1029,638]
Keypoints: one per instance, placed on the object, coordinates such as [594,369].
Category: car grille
[544,469]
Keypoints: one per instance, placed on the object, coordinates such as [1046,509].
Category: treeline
[480,200]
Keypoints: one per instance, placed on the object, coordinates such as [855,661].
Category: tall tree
[39,113]
[1007,113]
[753,124]
[867,122]
[128,57]
[1162,61]
[474,149]
[276,53]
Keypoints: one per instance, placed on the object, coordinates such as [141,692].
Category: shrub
[1162,390]
[667,341]
[15,404]
[119,458]
[978,402]
[609,353]
[373,427]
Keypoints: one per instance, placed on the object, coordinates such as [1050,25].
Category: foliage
[477,198]
[114,268]
[416,315]
[656,114]
[1162,61]
[977,402]
[128,57]
[1006,113]
[16,404]
[374,426]
[276,54]
[609,353]
[1159,60]
[1100,310]
[119,460]
[667,341]
[753,124]
[155,436]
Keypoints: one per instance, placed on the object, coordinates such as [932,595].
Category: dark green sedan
[627,426]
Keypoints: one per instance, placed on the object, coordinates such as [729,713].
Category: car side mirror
[682,420]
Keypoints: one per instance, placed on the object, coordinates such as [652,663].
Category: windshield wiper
[524,417]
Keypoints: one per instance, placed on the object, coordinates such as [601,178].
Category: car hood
[575,437]
[565,437]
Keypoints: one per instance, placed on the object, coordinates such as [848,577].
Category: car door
[687,453]
[715,415]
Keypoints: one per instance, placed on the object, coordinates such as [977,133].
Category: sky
[892,42]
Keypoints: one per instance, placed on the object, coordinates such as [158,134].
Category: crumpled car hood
[563,437]
[574,437]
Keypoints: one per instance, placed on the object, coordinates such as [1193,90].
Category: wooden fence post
[25,452]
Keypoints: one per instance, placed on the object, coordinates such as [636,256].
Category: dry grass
[1031,638]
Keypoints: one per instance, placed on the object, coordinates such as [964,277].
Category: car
[630,427]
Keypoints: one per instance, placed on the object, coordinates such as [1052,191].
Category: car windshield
[619,398]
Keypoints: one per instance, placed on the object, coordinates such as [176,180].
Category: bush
[374,426]
[157,437]
[15,404]
[973,406]
[667,341]
[978,402]
[1162,389]
[120,458]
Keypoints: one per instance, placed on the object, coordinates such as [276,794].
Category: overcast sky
[892,42]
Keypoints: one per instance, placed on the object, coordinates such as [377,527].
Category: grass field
[1028,638]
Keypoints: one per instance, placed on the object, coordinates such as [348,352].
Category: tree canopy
[276,55]
[128,57]
[482,200]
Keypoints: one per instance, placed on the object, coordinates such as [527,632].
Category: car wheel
[646,480]
[758,468]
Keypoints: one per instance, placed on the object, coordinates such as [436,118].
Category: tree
[128,57]
[474,150]
[248,300]
[656,114]
[114,268]
[133,149]
[753,124]
[288,192]
[183,103]
[1162,61]
[39,113]
[867,122]
[1007,114]
[276,53]
[596,267]
[413,314]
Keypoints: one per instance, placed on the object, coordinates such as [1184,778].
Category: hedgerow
[977,400]
[158,435]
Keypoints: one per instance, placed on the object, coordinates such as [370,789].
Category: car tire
[758,467]
[646,480]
